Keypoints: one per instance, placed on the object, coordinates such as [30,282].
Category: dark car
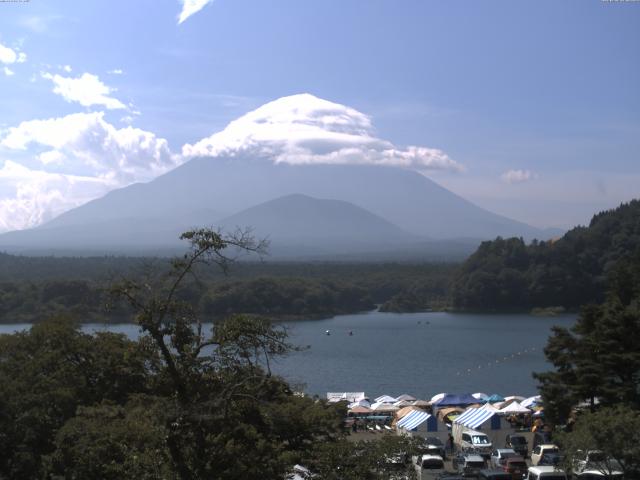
[516,466]
[553,459]
[518,443]
[494,475]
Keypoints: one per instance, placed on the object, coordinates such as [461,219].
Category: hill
[569,272]
[298,224]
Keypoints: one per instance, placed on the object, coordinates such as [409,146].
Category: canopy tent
[443,413]
[420,403]
[407,410]
[360,410]
[513,397]
[474,417]
[451,400]
[406,397]
[515,407]
[531,402]
[333,397]
[413,420]
[361,403]
[480,396]
[495,398]
[437,397]
[402,403]
[386,399]
[383,407]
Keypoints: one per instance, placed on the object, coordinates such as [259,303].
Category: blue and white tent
[413,420]
[475,417]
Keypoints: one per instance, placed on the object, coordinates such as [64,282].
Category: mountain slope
[405,198]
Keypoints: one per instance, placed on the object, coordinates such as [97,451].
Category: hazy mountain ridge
[201,190]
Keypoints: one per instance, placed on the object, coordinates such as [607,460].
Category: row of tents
[450,404]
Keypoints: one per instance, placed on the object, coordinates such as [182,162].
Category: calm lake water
[421,354]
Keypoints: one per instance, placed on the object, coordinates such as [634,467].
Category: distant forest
[35,288]
[502,275]
[572,271]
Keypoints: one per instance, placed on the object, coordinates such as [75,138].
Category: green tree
[47,373]
[385,458]
[227,415]
[111,442]
[598,359]
[614,431]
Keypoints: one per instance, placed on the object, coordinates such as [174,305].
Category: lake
[421,354]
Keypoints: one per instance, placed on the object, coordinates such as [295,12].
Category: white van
[547,472]
[476,442]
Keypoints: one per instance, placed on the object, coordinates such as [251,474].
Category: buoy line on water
[497,361]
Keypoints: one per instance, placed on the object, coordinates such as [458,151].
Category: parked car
[598,475]
[516,466]
[493,475]
[434,446]
[428,466]
[468,464]
[499,456]
[551,458]
[517,443]
[540,450]
[546,472]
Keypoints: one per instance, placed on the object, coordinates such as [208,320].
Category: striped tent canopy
[386,399]
[474,417]
[406,411]
[413,420]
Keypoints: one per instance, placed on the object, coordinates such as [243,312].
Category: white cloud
[116,71]
[82,157]
[189,7]
[30,197]
[304,129]
[87,90]
[7,71]
[67,68]
[9,56]
[518,176]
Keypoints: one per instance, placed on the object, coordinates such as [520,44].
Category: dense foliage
[31,289]
[285,296]
[569,272]
[598,358]
[612,431]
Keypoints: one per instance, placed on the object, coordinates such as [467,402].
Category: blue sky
[537,104]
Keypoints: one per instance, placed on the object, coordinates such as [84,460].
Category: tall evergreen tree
[598,359]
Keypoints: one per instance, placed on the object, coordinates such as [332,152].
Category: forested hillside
[569,272]
[33,289]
